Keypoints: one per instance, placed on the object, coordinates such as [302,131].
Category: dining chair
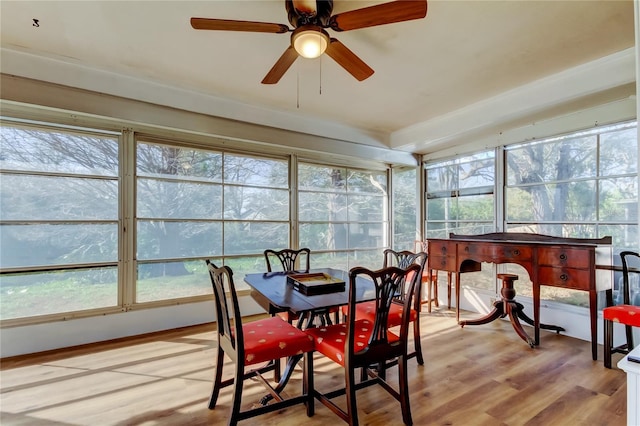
[248,344]
[362,343]
[402,259]
[292,260]
[625,313]
[288,259]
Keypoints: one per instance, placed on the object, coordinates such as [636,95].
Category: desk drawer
[561,256]
[443,263]
[495,253]
[577,279]
[442,248]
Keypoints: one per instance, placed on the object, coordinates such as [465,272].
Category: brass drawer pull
[563,256]
[564,277]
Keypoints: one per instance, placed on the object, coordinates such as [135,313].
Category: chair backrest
[388,282]
[630,287]
[404,259]
[227,311]
[288,259]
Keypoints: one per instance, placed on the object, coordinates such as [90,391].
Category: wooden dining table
[275,294]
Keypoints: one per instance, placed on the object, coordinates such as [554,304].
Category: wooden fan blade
[386,13]
[231,25]
[281,66]
[348,60]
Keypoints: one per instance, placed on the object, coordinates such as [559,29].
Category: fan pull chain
[320,77]
[297,86]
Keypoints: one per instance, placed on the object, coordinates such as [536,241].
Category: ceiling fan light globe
[310,43]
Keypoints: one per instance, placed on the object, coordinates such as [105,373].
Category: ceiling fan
[309,38]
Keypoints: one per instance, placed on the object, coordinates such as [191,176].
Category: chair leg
[237,394]
[608,342]
[352,408]
[277,374]
[416,341]
[307,383]
[217,383]
[404,391]
[629,333]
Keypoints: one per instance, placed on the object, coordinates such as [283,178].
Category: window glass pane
[617,153]
[475,207]
[333,259]
[366,208]
[171,162]
[405,208]
[619,199]
[371,259]
[442,209]
[366,235]
[322,206]
[442,178]
[44,293]
[254,237]
[552,161]
[323,236]
[159,239]
[164,199]
[47,150]
[477,173]
[23,197]
[172,280]
[250,203]
[625,237]
[571,201]
[321,177]
[256,171]
[365,181]
[57,244]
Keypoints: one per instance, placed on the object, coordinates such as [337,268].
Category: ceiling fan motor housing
[309,12]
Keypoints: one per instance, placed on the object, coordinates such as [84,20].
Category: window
[459,196]
[581,185]
[59,195]
[194,205]
[405,208]
[460,200]
[342,215]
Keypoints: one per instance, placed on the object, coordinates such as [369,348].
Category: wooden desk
[553,261]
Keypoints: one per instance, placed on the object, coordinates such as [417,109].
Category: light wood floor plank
[479,375]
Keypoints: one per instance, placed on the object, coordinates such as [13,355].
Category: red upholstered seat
[273,338]
[368,310]
[330,340]
[624,314]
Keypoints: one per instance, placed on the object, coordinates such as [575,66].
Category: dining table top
[273,293]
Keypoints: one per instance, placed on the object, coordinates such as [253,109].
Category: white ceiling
[492,59]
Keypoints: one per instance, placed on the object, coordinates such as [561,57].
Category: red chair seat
[367,310]
[330,340]
[273,338]
[624,314]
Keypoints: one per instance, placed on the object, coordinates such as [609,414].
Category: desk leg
[536,313]
[458,297]
[508,306]
[593,316]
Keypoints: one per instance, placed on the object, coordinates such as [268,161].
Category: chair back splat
[288,259]
[627,313]
[369,345]
[256,342]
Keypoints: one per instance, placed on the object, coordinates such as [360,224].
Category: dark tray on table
[314,283]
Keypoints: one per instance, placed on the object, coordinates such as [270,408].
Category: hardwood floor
[479,375]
